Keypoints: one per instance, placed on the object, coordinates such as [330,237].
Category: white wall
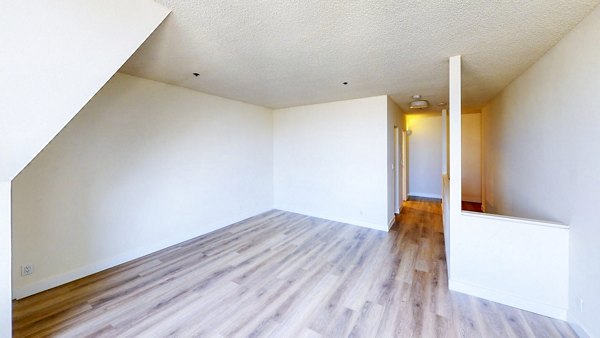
[517,262]
[330,161]
[424,155]
[471,157]
[143,166]
[395,117]
[5,263]
[55,57]
[541,155]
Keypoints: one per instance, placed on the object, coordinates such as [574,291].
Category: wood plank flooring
[281,274]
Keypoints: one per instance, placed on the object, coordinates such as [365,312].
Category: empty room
[175,168]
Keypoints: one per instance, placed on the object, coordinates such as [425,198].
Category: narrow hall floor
[281,274]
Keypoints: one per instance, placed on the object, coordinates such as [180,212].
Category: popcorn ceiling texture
[287,53]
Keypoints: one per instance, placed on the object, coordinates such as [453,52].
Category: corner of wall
[576,326]
[5,260]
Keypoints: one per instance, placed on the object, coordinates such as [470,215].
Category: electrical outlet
[26,270]
[580,305]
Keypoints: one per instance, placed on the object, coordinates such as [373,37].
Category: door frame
[397,201]
[404,182]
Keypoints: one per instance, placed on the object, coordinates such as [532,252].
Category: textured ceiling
[286,53]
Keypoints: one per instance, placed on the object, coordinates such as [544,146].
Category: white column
[5,262]
[455,155]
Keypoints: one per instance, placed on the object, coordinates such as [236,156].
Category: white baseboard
[426,195]
[69,276]
[399,210]
[579,329]
[360,223]
[509,299]
[391,223]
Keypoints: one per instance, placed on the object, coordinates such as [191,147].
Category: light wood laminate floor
[281,274]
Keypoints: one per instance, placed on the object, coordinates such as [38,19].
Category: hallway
[282,274]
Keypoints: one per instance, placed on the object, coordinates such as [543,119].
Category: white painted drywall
[452,181]
[143,166]
[5,261]
[471,157]
[424,155]
[330,161]
[395,118]
[517,262]
[520,263]
[541,155]
[55,57]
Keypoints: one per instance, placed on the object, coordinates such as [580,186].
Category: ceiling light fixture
[418,103]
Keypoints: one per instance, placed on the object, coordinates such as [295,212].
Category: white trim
[69,276]
[364,224]
[579,330]
[516,219]
[404,179]
[508,299]
[424,194]
[391,223]
[397,183]
[399,210]
[5,259]
[444,142]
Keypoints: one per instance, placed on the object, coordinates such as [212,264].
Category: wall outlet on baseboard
[26,270]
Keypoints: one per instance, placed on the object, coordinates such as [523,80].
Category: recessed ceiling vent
[418,103]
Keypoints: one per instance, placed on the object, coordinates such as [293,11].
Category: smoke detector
[418,103]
